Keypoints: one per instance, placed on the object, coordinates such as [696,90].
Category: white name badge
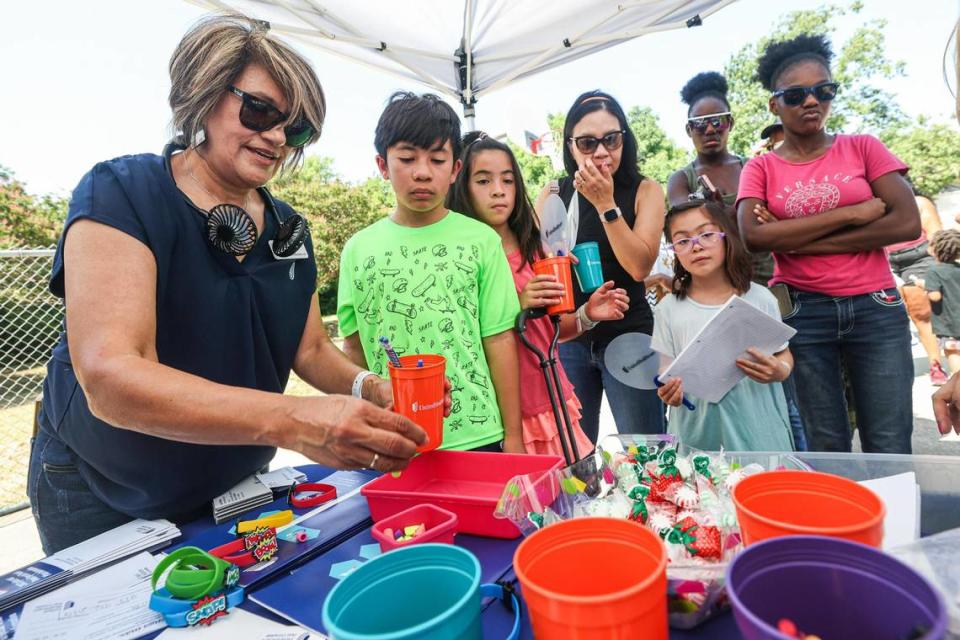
[299,254]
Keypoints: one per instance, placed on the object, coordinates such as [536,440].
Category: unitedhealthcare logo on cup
[417,407]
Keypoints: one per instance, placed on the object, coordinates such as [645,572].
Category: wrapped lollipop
[638,511]
[666,475]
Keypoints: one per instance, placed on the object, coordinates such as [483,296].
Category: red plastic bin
[440,525]
[468,483]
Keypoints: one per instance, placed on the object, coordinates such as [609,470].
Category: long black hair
[628,173]
[522,220]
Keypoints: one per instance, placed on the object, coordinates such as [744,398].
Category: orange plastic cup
[594,579]
[782,503]
[559,268]
[418,394]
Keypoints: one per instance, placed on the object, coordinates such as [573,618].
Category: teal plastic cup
[588,270]
[426,591]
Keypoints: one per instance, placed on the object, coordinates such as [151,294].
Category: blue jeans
[634,410]
[793,414]
[869,332]
[64,508]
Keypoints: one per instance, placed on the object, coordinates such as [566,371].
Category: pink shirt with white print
[838,178]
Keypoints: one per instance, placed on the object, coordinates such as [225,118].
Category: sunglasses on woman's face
[259,115]
[719,121]
[588,144]
[794,96]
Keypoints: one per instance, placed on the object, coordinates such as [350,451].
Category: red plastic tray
[440,525]
[467,483]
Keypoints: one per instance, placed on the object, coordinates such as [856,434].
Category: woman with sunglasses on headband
[622,211]
[827,205]
[190,296]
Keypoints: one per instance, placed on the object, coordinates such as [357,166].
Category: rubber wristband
[318,493]
[193,573]
[585,323]
[276,521]
[187,613]
[258,546]
[357,390]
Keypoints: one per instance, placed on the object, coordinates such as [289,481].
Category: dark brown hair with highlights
[737,261]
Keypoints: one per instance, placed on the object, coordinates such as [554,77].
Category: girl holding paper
[710,266]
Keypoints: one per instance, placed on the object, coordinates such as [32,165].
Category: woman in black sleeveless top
[623,213]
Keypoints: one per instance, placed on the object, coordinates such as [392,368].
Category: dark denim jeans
[64,508]
[869,332]
[634,410]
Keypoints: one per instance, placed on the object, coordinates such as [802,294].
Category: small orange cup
[418,394]
[559,268]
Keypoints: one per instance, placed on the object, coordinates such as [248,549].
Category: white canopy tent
[468,48]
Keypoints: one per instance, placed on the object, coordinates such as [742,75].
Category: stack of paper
[249,494]
[708,365]
[110,604]
[54,571]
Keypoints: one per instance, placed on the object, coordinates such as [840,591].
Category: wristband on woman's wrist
[357,390]
[583,322]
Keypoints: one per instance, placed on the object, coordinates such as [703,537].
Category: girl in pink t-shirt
[827,205]
[490,189]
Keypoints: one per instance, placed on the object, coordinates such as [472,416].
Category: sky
[87,81]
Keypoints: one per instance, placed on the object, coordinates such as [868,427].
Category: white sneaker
[953,436]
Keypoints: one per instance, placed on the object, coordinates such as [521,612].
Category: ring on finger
[373,463]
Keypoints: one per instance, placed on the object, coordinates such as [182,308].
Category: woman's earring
[199,137]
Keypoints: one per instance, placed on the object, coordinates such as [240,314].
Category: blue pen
[689,405]
[394,359]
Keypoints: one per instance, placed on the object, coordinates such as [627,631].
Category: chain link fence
[30,322]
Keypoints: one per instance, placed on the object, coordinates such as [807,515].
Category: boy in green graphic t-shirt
[434,281]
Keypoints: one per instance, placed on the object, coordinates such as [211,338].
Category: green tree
[27,220]
[931,152]
[536,170]
[860,61]
[657,154]
[335,210]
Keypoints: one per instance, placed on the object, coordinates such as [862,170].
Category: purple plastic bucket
[831,588]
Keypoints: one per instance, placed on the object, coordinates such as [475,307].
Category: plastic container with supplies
[594,579]
[418,394]
[786,502]
[831,588]
[439,525]
[467,483]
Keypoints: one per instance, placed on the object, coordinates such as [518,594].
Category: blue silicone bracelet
[182,613]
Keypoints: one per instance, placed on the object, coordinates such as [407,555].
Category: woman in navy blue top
[190,296]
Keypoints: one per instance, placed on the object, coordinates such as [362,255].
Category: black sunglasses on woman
[259,115]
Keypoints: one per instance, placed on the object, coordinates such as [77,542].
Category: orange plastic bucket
[594,579]
[783,503]
[559,268]
[418,394]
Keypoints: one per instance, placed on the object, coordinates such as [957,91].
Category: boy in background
[942,283]
[434,281]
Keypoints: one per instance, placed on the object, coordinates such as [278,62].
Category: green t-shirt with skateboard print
[436,289]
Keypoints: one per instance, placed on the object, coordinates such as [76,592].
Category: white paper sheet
[242,624]
[281,478]
[133,536]
[708,364]
[113,603]
[901,496]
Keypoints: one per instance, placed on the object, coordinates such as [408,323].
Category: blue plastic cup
[589,270]
[426,591]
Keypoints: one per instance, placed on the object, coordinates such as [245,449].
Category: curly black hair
[946,245]
[779,56]
[705,84]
